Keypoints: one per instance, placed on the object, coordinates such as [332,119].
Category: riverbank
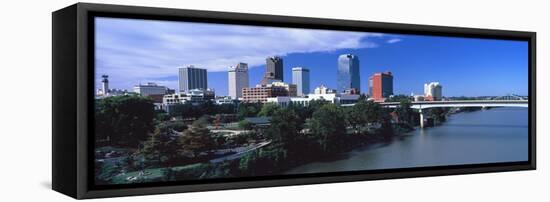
[265,159]
[483,136]
[310,154]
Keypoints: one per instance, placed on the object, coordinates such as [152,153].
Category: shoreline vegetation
[136,144]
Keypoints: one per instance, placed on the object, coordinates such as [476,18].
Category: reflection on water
[486,136]
[486,125]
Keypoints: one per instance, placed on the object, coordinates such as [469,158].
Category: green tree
[363,113]
[285,125]
[208,108]
[305,112]
[404,111]
[162,116]
[124,120]
[264,161]
[327,123]
[160,146]
[185,111]
[356,115]
[375,112]
[301,112]
[197,138]
[248,110]
[225,109]
[439,114]
[362,97]
[268,109]
[398,98]
[193,111]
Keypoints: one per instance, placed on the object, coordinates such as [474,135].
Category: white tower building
[238,79]
[300,77]
[433,91]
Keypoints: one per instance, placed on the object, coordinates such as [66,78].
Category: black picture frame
[73,83]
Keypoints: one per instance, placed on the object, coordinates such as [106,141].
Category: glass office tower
[348,73]
[191,77]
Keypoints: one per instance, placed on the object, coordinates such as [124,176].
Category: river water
[484,136]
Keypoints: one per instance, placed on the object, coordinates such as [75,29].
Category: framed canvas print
[155,100]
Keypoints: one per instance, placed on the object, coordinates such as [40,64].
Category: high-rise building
[191,77]
[433,91]
[348,73]
[300,78]
[381,85]
[274,67]
[238,79]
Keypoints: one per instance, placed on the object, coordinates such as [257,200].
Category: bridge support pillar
[421,118]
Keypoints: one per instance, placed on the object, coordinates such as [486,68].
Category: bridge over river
[420,105]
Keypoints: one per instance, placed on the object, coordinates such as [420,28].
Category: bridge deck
[459,103]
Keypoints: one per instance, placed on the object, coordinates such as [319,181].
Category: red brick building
[381,85]
[261,93]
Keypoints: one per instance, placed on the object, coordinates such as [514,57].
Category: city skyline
[469,67]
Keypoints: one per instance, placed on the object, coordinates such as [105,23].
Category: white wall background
[25,125]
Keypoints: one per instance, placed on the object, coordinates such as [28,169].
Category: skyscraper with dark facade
[274,68]
[191,77]
[381,85]
[348,73]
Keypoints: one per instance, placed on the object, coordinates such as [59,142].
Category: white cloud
[144,50]
[395,40]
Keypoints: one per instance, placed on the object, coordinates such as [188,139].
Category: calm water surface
[485,136]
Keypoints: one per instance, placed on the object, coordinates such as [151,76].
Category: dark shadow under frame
[77,21]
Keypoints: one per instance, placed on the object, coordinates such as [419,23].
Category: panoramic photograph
[188,101]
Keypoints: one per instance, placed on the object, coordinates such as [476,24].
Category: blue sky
[140,51]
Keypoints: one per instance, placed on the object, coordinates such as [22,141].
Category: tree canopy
[190,110]
[327,123]
[285,125]
[268,109]
[404,111]
[248,109]
[124,120]
[197,138]
[363,113]
[161,146]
